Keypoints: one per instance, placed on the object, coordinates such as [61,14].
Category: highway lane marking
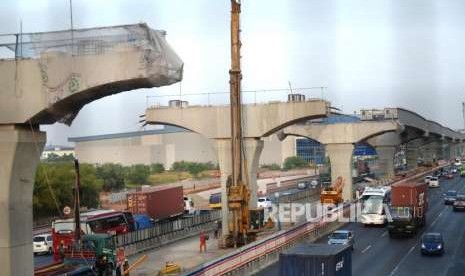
[366,249]
[436,219]
[384,234]
[401,261]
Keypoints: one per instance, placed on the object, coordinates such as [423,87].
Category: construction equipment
[332,194]
[170,269]
[237,184]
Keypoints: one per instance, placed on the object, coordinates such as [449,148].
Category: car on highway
[263,202]
[427,179]
[450,175]
[314,183]
[344,237]
[302,185]
[432,243]
[42,244]
[459,203]
[433,181]
[449,197]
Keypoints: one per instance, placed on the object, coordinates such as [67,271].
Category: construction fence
[167,232]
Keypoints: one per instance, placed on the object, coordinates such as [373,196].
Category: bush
[294,162]
[193,168]
[274,167]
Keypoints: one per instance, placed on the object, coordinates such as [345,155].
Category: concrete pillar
[20,151]
[340,156]
[386,159]
[454,150]
[223,153]
[441,150]
[253,149]
[446,151]
[429,152]
[411,155]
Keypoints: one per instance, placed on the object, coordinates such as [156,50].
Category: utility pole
[238,192]
[77,203]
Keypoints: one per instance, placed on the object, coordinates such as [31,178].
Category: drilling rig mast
[238,192]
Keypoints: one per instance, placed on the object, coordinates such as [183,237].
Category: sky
[367,53]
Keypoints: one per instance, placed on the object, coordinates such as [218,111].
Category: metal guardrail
[304,194]
[165,232]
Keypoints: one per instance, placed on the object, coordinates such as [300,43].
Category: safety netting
[162,65]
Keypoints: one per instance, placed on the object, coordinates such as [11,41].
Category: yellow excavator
[332,194]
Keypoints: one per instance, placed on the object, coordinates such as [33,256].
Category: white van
[42,244]
[433,182]
[188,205]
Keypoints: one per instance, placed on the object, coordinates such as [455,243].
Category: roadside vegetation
[55,180]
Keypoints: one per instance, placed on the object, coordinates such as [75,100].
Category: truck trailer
[409,203]
[159,203]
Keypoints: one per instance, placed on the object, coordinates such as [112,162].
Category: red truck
[157,202]
[409,203]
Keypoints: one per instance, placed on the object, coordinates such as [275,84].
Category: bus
[215,201]
[95,221]
[373,200]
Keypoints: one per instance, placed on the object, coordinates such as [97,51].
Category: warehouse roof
[166,130]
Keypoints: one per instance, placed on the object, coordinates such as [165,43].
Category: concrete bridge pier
[386,159]
[340,156]
[20,150]
[412,152]
[223,153]
[253,148]
[445,151]
[430,152]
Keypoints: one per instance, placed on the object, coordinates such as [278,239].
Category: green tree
[138,174]
[112,176]
[59,179]
[294,162]
[157,168]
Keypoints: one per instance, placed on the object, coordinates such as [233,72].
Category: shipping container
[157,202]
[316,260]
[409,194]
[409,203]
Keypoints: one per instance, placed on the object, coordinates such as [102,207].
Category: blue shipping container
[316,260]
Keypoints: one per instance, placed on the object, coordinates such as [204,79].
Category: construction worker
[217,229]
[203,241]
[126,267]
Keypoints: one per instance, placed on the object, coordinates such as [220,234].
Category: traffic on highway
[376,253]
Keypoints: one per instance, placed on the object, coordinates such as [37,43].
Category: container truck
[159,203]
[316,260]
[409,203]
